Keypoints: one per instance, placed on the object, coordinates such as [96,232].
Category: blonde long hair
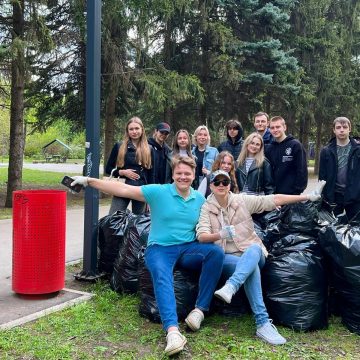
[175,146]
[259,157]
[143,153]
[217,164]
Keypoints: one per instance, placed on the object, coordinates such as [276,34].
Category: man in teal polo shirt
[175,210]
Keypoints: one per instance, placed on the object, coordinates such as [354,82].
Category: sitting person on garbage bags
[175,210]
[225,219]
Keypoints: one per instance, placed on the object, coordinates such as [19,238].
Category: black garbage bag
[239,303]
[342,245]
[269,235]
[300,218]
[124,278]
[185,287]
[268,227]
[325,218]
[268,218]
[295,283]
[110,239]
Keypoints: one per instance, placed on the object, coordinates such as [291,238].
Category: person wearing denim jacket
[204,153]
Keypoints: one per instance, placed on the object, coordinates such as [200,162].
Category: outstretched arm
[116,188]
[281,199]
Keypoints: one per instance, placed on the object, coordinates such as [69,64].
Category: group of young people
[256,165]
[214,235]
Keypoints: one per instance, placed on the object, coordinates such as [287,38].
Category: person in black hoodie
[132,161]
[234,133]
[287,157]
[162,160]
[340,167]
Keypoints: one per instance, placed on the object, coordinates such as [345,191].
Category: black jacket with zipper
[257,179]
[328,171]
[146,175]
[161,162]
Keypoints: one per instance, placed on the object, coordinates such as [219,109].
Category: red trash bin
[39,226]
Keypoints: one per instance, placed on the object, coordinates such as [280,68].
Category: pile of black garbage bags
[312,271]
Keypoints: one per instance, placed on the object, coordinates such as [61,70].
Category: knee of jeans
[159,273]
[255,248]
[218,252]
[152,263]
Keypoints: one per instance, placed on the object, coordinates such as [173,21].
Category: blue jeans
[245,269]
[161,260]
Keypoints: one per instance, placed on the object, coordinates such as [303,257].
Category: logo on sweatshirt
[287,157]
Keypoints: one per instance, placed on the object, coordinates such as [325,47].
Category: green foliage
[169,89]
[190,62]
[5,127]
[322,39]
[60,130]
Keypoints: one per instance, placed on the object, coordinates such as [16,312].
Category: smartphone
[67,180]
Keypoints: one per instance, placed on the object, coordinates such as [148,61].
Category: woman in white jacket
[225,219]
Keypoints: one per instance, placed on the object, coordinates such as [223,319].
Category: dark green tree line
[185,62]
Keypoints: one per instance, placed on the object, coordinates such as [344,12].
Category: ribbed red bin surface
[39,219]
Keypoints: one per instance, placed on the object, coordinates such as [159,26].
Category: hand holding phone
[67,180]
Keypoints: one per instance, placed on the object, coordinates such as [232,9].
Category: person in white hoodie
[228,213]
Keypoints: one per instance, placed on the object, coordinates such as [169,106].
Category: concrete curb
[82,296]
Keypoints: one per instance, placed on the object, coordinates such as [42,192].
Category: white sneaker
[269,333]
[225,293]
[175,342]
[194,319]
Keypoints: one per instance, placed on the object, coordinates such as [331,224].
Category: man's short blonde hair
[278,118]
[186,160]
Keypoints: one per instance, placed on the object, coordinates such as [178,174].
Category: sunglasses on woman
[224,182]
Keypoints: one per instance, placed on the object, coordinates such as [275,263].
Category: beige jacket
[238,213]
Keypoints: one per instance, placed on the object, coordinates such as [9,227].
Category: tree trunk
[17,135]
[305,124]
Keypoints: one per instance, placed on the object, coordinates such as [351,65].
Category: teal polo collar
[175,193]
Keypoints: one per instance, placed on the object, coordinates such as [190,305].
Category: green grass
[109,327]
[35,178]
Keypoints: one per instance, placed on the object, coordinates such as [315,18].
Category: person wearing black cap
[234,133]
[162,161]
[225,219]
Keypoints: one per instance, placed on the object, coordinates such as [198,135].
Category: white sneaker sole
[191,325]
[280,342]
[177,349]
[218,295]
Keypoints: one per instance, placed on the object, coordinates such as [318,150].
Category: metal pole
[92,145]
